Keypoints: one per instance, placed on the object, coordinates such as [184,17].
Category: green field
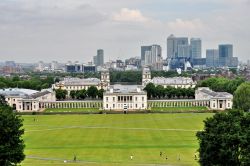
[109,139]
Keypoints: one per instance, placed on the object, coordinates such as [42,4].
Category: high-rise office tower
[212,57]
[225,54]
[152,56]
[177,47]
[144,49]
[99,58]
[183,51]
[195,44]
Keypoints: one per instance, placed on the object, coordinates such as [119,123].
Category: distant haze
[62,30]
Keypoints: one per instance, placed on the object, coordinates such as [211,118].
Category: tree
[72,94]
[61,94]
[92,92]
[242,97]
[150,88]
[11,142]
[100,93]
[225,139]
[81,94]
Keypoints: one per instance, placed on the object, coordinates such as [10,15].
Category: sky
[63,30]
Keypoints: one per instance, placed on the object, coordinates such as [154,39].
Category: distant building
[133,61]
[99,58]
[199,63]
[89,68]
[195,44]
[225,54]
[212,57]
[152,56]
[73,68]
[125,97]
[218,100]
[54,65]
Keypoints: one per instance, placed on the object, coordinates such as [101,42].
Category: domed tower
[146,76]
[105,79]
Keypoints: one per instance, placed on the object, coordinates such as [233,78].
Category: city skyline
[48,30]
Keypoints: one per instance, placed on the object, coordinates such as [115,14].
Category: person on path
[131,157]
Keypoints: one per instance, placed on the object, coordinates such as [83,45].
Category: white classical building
[25,99]
[125,97]
[218,100]
[70,84]
[176,82]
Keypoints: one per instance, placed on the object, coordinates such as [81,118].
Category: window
[142,98]
[214,105]
[229,105]
[113,99]
[14,99]
[113,105]
[142,105]
[119,98]
[135,98]
[135,105]
[107,99]
[107,106]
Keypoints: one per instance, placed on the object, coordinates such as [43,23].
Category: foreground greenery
[225,139]
[242,97]
[11,131]
[108,140]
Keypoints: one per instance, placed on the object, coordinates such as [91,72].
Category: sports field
[109,139]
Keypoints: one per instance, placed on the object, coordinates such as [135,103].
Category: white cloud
[129,15]
[187,25]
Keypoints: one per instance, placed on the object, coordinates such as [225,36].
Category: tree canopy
[221,84]
[225,139]
[242,97]
[11,131]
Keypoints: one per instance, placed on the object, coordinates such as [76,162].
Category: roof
[215,94]
[125,89]
[78,81]
[18,92]
[39,94]
[172,81]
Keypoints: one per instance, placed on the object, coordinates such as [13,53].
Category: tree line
[92,93]
[35,83]
[221,84]
[159,92]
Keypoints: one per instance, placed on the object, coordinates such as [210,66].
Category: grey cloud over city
[62,30]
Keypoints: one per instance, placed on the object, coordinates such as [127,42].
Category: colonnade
[73,104]
[178,103]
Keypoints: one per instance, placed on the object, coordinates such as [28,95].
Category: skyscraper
[195,44]
[151,55]
[225,54]
[177,46]
[99,58]
[212,57]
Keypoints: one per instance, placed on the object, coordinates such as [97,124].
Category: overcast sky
[62,30]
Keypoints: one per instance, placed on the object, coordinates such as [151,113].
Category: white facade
[125,97]
[176,82]
[218,100]
[70,84]
[26,100]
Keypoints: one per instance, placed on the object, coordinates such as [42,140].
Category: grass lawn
[72,110]
[110,139]
[180,109]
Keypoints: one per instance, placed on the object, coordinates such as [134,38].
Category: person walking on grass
[74,158]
